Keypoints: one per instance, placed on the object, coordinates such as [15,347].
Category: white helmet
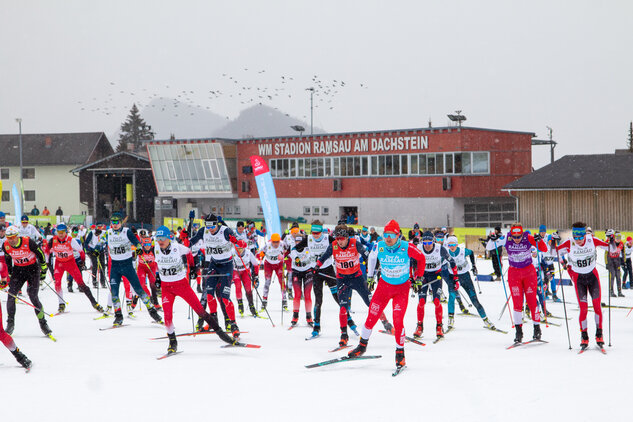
[609,232]
[12,231]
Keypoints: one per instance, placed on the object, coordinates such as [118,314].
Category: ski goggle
[427,242]
[161,238]
[210,224]
[112,222]
[389,235]
[517,236]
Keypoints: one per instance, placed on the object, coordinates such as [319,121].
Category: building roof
[139,156]
[49,148]
[594,171]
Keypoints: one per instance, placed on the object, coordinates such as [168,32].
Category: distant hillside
[262,121]
[166,116]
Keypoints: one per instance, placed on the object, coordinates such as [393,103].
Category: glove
[564,265]
[371,283]
[192,214]
[256,281]
[456,280]
[3,284]
[94,252]
[417,284]
[233,239]
[537,237]
[556,236]
[82,265]
[475,271]
[43,269]
[139,251]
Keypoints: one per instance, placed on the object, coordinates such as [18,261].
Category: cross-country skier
[28,230]
[347,253]
[146,268]
[243,262]
[171,261]
[302,266]
[613,259]
[394,255]
[120,240]
[580,263]
[434,255]
[26,264]
[62,248]
[463,267]
[628,268]
[218,243]
[8,342]
[522,277]
[3,264]
[273,254]
[94,246]
[449,276]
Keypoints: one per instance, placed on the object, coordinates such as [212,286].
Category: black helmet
[427,235]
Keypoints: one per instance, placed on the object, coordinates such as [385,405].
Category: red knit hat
[392,227]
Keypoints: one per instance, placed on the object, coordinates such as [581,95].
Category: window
[448,163]
[325,210]
[336,166]
[365,170]
[4,174]
[350,166]
[260,211]
[316,210]
[300,167]
[439,163]
[229,210]
[293,168]
[328,167]
[414,164]
[357,170]
[388,165]
[466,167]
[28,173]
[306,210]
[430,163]
[272,167]
[404,164]
[6,196]
[344,166]
[374,165]
[29,195]
[396,165]
[422,164]
[320,166]
[480,162]
[381,165]
[246,186]
[237,210]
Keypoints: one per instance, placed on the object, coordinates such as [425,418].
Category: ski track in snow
[114,375]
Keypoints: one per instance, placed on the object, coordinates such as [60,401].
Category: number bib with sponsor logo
[582,258]
[216,246]
[433,258]
[394,262]
[347,260]
[317,247]
[63,250]
[463,264]
[119,245]
[22,256]
[170,264]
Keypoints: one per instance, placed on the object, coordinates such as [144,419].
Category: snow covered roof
[593,171]
[52,148]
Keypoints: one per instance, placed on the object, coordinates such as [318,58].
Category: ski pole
[463,296]
[260,298]
[54,291]
[562,288]
[503,282]
[478,286]
[27,303]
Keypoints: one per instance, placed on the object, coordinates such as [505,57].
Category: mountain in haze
[168,116]
[262,121]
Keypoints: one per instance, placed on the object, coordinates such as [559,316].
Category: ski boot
[388,326]
[264,303]
[70,287]
[344,339]
[240,307]
[62,308]
[173,344]
[489,324]
[316,329]
[21,358]
[134,302]
[158,307]
[295,319]
[439,331]
[461,305]
[227,324]
[537,332]
[400,361]
[44,327]
[309,319]
[155,315]
[599,339]
[360,349]
[10,326]
[613,294]
[108,310]
[235,330]
[620,293]
[200,325]
[128,307]
[253,310]
[118,318]
[291,296]
[418,330]
[99,308]
[556,298]
[518,338]
[451,322]
[284,305]
[584,340]
[95,285]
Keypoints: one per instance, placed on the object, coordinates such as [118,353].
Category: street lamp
[299,129]
[457,117]
[311,89]
[19,120]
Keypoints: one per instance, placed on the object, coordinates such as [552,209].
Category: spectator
[35,211]
[46,211]
[116,205]
[415,233]
[2,218]
[59,211]
[47,229]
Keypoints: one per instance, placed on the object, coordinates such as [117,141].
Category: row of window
[383,165]
[27,173]
[489,215]
[29,195]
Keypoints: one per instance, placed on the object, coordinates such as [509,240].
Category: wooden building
[596,189]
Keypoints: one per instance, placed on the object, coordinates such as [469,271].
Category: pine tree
[134,131]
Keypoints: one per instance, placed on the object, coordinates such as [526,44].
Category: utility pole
[552,145]
[631,137]
[19,120]
[311,89]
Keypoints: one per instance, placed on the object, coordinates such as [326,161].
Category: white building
[47,161]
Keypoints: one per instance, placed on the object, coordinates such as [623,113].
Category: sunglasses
[161,238]
[340,238]
[389,235]
[452,245]
[579,236]
[517,237]
[429,243]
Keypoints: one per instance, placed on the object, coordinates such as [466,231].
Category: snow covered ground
[111,375]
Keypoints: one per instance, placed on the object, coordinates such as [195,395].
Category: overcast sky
[506,64]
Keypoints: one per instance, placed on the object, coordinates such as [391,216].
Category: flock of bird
[277,90]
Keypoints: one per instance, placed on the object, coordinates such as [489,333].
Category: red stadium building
[434,176]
